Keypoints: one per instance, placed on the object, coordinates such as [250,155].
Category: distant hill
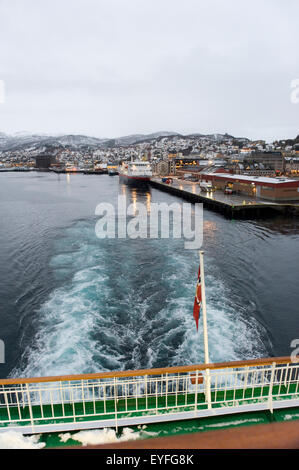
[287,142]
[73,141]
[135,138]
[21,140]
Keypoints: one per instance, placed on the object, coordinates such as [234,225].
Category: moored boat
[135,172]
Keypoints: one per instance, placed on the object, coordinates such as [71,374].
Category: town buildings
[172,154]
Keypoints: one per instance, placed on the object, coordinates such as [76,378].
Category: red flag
[197,300]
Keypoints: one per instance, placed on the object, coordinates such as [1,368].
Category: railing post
[270,400]
[115,404]
[246,373]
[196,392]
[29,405]
[145,390]
[208,389]
[7,405]
[286,375]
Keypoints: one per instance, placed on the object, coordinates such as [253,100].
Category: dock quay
[15,169]
[85,172]
[95,172]
[232,206]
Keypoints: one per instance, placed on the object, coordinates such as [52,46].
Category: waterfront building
[190,163]
[292,165]
[161,168]
[274,189]
[270,160]
[44,161]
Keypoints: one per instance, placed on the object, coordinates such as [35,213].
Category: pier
[232,206]
[85,172]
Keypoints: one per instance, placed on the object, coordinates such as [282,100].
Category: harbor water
[73,303]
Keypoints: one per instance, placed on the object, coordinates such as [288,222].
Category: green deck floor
[189,426]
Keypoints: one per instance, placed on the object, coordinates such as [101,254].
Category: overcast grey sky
[115,67]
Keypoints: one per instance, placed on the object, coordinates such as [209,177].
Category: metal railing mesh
[90,399]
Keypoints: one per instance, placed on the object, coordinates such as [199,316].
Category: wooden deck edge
[143,372]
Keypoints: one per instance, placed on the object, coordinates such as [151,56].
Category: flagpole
[205,327]
[204,308]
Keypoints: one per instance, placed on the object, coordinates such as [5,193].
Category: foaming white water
[64,343]
[106,436]
[16,440]
[231,335]
[122,306]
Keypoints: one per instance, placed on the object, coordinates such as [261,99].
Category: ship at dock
[135,172]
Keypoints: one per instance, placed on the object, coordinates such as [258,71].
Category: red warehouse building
[273,189]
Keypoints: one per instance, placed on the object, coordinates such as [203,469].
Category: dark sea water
[73,303]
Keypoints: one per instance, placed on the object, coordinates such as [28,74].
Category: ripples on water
[125,304]
[129,305]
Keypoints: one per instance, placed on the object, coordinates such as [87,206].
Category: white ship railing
[34,405]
